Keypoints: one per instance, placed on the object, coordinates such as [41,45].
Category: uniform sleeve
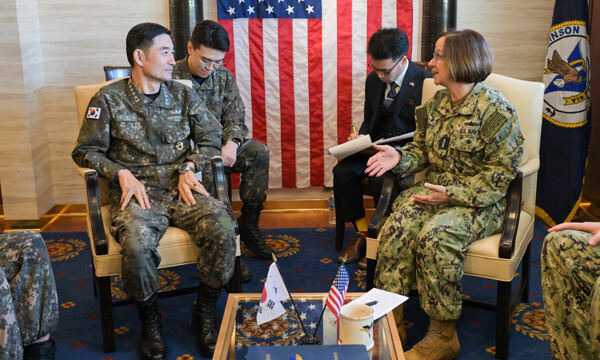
[232,117]
[502,153]
[414,154]
[94,140]
[205,133]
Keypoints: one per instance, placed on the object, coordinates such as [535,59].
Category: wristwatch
[237,141]
[185,167]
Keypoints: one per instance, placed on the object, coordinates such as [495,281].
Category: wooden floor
[72,218]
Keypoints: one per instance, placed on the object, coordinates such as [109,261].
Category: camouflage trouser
[28,301]
[139,231]
[571,289]
[252,163]
[429,244]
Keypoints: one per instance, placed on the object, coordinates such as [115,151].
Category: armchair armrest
[384,205]
[94,213]
[221,188]
[511,218]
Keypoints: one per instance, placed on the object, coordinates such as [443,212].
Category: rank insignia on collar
[179,146]
[93,113]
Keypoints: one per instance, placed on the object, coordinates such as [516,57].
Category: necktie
[391,95]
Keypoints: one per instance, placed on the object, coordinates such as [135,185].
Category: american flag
[301,67]
[337,293]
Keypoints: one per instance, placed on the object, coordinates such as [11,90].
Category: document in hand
[381,301]
[361,143]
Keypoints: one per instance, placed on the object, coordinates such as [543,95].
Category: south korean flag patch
[93,113]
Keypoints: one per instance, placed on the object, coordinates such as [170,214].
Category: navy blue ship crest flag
[566,125]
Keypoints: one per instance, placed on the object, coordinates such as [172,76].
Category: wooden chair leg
[503,313]
[340,226]
[371,264]
[235,284]
[525,274]
[106,314]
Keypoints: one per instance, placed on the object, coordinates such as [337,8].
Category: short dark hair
[142,37]
[467,55]
[388,43]
[210,34]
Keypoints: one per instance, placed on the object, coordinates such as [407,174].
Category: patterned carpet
[308,264]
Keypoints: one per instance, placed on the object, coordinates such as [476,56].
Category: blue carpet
[307,263]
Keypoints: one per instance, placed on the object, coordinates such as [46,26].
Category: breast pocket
[175,128]
[467,152]
[128,127]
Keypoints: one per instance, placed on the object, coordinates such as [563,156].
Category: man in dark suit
[392,91]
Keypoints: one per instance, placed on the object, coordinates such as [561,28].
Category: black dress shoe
[355,251]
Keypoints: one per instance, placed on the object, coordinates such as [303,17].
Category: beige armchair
[496,257]
[176,247]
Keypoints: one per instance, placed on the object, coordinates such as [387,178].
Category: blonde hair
[467,55]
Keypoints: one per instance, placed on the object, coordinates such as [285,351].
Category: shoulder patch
[93,113]
[421,117]
[492,126]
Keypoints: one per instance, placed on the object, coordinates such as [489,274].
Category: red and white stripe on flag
[302,80]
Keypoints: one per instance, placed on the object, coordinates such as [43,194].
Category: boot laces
[433,336]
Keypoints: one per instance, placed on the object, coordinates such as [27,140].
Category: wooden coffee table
[239,319]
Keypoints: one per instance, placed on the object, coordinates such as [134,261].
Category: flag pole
[306,339]
[320,318]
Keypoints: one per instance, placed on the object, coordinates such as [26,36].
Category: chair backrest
[116,72]
[83,94]
[527,97]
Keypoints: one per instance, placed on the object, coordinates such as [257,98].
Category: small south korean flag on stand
[274,292]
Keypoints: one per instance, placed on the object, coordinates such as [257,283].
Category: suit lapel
[406,90]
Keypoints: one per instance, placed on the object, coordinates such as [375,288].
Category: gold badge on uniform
[179,146]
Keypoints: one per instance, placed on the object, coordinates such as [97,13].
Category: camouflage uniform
[222,97]
[473,150]
[28,301]
[571,289]
[151,138]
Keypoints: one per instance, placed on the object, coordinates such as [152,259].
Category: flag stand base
[310,340]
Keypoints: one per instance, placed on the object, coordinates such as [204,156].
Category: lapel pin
[411,83]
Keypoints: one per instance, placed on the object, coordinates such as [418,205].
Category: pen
[354,130]
[371,303]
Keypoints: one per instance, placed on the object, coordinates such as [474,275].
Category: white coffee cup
[356,325]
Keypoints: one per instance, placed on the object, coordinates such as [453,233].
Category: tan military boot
[440,342]
[399,319]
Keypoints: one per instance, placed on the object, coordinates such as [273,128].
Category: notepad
[386,301]
[361,143]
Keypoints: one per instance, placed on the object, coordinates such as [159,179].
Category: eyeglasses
[384,71]
[437,56]
[215,63]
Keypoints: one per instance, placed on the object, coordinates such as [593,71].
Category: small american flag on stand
[337,293]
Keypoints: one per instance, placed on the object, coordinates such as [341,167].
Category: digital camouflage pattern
[571,290]
[474,150]
[28,300]
[222,98]
[152,138]
[208,222]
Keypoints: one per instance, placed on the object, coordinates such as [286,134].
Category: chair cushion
[482,258]
[483,261]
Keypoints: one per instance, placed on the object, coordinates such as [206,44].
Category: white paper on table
[386,301]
